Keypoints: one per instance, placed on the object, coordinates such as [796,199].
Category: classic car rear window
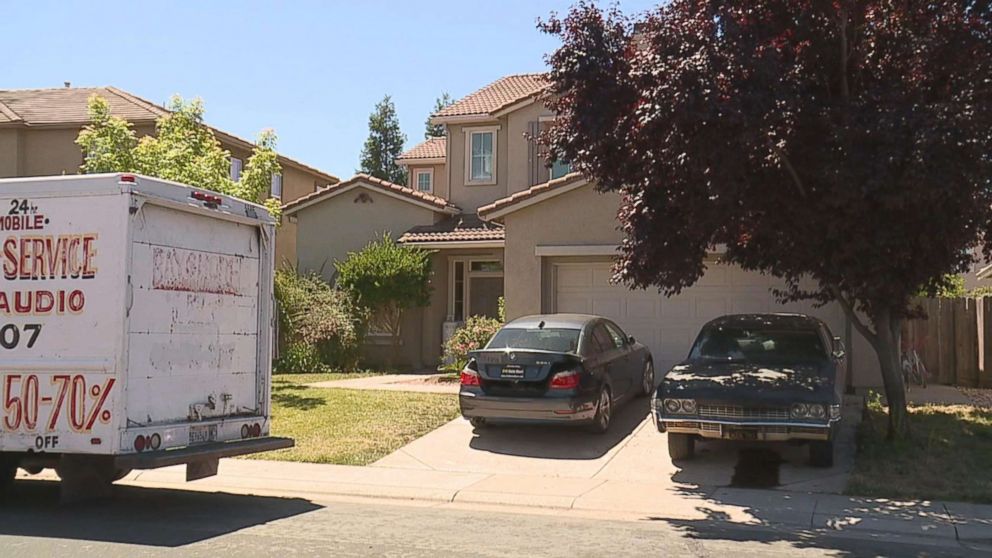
[728,343]
[544,339]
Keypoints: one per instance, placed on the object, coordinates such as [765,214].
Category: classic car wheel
[821,453]
[647,379]
[604,412]
[681,446]
[478,422]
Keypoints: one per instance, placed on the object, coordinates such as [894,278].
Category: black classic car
[570,368]
[756,377]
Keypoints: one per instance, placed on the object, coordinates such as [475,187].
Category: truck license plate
[202,434]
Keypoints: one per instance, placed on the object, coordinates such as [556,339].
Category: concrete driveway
[631,451]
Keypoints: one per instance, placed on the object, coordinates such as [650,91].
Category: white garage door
[668,326]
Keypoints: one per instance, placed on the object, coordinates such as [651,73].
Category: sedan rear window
[558,340]
[742,344]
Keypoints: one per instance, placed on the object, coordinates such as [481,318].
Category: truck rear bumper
[203,452]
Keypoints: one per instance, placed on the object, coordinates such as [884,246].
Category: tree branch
[852,314]
[845,91]
[792,170]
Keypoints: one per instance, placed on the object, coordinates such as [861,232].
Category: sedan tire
[681,446]
[821,453]
[478,423]
[647,379]
[604,412]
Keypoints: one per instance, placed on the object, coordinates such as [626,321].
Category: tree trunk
[887,336]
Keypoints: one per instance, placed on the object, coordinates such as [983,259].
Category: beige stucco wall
[329,229]
[592,222]
[518,146]
[9,153]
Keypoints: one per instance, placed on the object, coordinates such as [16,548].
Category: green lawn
[350,427]
[948,457]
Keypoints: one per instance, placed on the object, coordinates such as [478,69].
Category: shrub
[476,332]
[317,322]
[388,279]
[300,358]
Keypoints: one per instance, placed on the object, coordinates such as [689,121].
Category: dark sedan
[759,377]
[565,368]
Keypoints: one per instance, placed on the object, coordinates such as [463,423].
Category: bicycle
[913,369]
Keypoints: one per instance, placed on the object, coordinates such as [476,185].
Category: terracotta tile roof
[433,148]
[457,228]
[533,191]
[413,195]
[496,96]
[70,106]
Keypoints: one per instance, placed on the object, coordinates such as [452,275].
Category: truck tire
[821,453]
[681,446]
[86,477]
[8,472]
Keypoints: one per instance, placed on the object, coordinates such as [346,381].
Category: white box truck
[135,328]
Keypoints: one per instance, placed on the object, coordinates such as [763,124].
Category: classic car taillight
[565,380]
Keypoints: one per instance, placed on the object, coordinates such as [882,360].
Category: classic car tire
[647,379]
[821,453]
[478,422]
[604,412]
[681,446]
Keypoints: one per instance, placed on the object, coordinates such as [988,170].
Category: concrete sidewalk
[604,497]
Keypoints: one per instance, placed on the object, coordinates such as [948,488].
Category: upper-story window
[480,159]
[424,180]
[236,166]
[560,169]
[276,190]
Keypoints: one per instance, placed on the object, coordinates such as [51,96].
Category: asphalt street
[158,522]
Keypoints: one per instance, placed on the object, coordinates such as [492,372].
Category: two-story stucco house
[502,221]
[38,130]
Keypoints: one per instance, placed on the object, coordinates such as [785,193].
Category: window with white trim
[560,169]
[481,155]
[425,180]
[276,190]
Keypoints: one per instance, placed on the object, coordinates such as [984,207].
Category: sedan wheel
[647,380]
[604,412]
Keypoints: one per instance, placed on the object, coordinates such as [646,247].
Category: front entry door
[484,294]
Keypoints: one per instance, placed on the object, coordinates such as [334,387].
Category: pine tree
[384,144]
[437,130]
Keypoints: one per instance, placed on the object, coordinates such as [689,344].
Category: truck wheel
[8,471]
[85,477]
[681,446]
[821,453]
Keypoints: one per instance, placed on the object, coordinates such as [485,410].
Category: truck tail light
[469,377]
[245,431]
[565,380]
[256,430]
[155,441]
[140,443]
[129,178]
[208,199]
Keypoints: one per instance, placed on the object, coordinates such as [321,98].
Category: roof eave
[455,244]
[495,211]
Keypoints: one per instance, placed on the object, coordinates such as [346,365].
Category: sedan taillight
[469,377]
[565,380]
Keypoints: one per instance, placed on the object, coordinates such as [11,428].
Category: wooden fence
[953,339]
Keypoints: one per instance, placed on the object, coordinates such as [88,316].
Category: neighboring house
[501,219]
[38,130]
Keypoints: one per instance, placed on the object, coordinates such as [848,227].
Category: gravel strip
[981,397]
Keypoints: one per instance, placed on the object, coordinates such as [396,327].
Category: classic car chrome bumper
[756,431]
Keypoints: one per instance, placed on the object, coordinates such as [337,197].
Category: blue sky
[311,70]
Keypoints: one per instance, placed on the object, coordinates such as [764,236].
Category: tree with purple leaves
[844,147]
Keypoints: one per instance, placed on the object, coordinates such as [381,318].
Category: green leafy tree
[388,279]
[183,149]
[437,130]
[384,144]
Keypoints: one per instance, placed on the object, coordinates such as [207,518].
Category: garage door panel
[668,326]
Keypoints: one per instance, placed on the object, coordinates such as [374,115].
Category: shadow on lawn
[143,516]
[281,395]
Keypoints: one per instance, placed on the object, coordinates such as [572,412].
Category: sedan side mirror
[839,349]
[631,340]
